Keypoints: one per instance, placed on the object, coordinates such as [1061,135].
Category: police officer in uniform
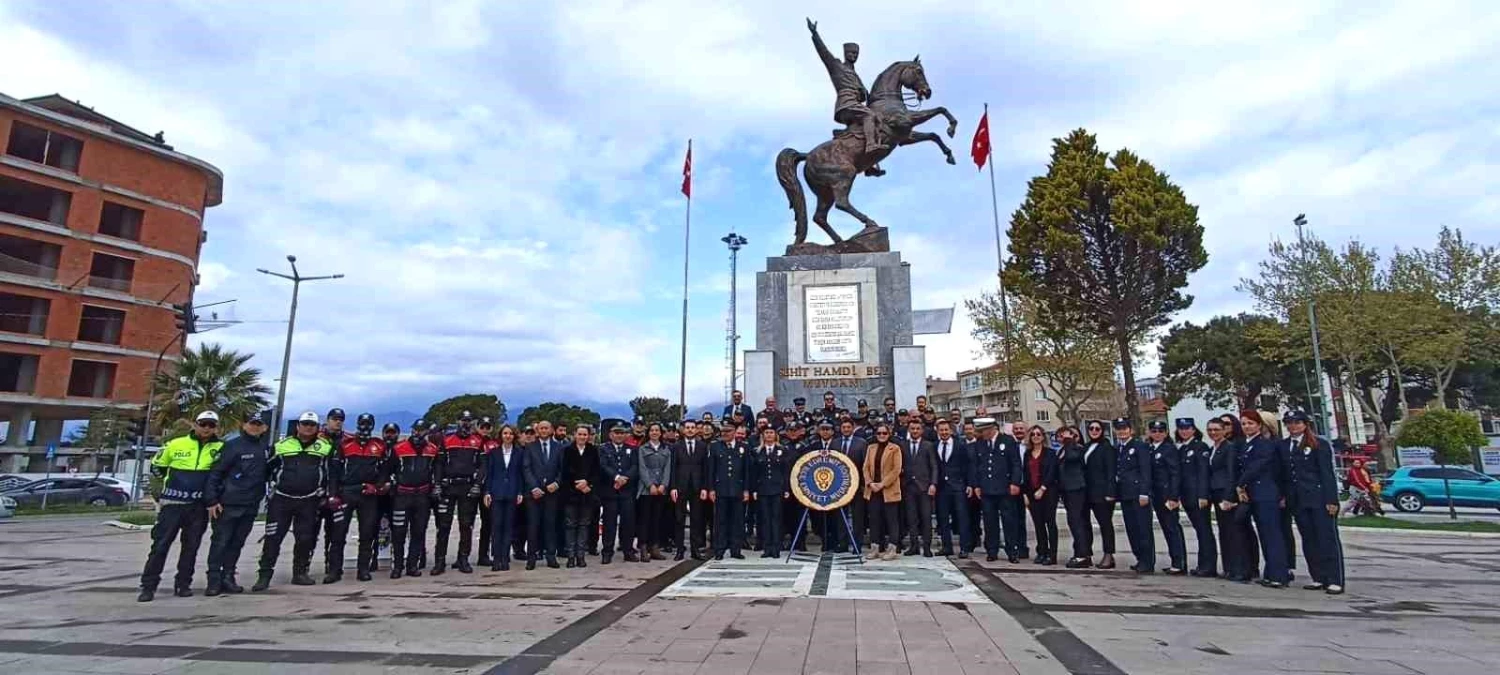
[1315,499]
[772,472]
[183,467]
[414,474]
[729,490]
[391,434]
[460,482]
[299,469]
[998,476]
[1166,494]
[360,475]
[331,515]
[1133,485]
[1197,495]
[621,470]
[236,485]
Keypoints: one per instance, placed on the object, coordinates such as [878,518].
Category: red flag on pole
[687,172]
[980,150]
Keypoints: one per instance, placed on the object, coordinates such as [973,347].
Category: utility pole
[286,357]
[1325,414]
[732,340]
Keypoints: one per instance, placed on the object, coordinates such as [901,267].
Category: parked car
[11,481]
[66,490]
[7,507]
[1410,488]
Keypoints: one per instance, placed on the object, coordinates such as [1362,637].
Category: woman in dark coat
[1072,480]
[1197,496]
[1099,487]
[1039,466]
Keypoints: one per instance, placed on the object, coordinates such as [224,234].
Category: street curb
[1427,533]
[125,526]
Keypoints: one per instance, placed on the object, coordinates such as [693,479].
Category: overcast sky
[499,183]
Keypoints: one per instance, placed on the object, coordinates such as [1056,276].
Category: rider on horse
[849,108]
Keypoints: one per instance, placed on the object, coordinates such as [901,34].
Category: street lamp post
[1325,412]
[286,356]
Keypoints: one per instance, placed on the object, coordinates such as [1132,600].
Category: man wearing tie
[955,476]
[854,447]
[543,472]
[738,407]
[1015,527]
[919,473]
[690,490]
[729,490]
[618,466]
[997,482]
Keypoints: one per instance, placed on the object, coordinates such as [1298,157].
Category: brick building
[101,226]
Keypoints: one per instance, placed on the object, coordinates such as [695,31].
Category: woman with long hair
[882,489]
[1315,502]
[655,459]
[1099,490]
[1039,464]
[1259,488]
[1222,465]
[1243,523]
[1072,479]
[503,492]
[1361,490]
[1197,494]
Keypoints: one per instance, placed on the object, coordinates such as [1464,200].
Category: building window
[100,324]
[91,379]
[118,220]
[24,314]
[17,373]
[1043,416]
[111,272]
[971,382]
[29,257]
[44,147]
[1040,395]
[37,202]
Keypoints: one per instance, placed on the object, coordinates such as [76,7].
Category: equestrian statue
[875,121]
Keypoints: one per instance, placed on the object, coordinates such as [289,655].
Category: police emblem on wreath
[824,481]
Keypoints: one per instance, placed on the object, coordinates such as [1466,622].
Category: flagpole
[687,228]
[1010,383]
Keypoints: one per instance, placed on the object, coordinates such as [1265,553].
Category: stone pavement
[1417,603]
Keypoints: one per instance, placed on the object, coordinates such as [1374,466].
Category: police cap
[1295,416]
[799,401]
[1122,423]
[1186,423]
[1157,425]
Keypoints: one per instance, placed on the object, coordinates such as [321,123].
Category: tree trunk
[1127,369]
[1448,493]
[1440,379]
[1382,434]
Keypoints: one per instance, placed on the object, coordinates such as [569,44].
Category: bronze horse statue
[833,165]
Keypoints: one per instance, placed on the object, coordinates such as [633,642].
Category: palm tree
[210,378]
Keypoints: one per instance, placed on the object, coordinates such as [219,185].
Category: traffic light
[187,322]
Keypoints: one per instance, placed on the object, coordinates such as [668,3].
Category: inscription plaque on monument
[832,316]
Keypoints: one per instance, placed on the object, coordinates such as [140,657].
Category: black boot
[531,562]
[262,582]
[552,561]
[681,553]
[607,558]
[439,567]
[484,559]
[183,591]
[300,577]
[462,565]
[631,557]
[147,594]
[572,562]
[363,573]
[230,585]
[581,561]
[215,586]
[395,570]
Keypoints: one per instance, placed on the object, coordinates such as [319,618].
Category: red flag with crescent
[980,150]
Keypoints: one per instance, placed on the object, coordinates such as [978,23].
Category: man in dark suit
[919,476]
[738,407]
[854,446]
[955,476]
[543,469]
[998,477]
[729,489]
[690,468]
[1015,528]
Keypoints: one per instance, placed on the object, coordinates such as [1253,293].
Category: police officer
[391,435]
[413,476]
[236,485]
[1133,488]
[1166,494]
[1315,499]
[772,464]
[998,477]
[1197,494]
[620,468]
[729,490]
[183,466]
[360,474]
[801,413]
[299,468]
[488,444]
[1260,490]
[460,482]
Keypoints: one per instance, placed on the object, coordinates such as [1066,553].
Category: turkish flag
[980,150]
[687,172]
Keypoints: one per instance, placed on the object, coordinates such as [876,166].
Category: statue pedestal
[833,322]
[877,240]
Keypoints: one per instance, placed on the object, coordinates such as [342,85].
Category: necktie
[546,451]
[945,451]
[846,446]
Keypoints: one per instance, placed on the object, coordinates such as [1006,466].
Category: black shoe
[414,571]
[1175,571]
[363,575]
[1025,554]
[945,552]
[395,571]
[552,562]
[696,556]
[1272,584]
[963,555]
[1078,563]
[1013,559]
[484,560]
[229,586]
[303,579]
[504,565]
[682,554]
[331,578]
[911,551]
[1107,562]
[582,562]
[147,595]
[990,557]
[213,590]
[766,554]
[262,582]
[531,563]
[737,555]
[463,566]
[718,556]
[607,558]
[572,562]
[630,556]
[183,591]
[439,568]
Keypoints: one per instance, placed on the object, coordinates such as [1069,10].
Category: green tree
[1073,366]
[1457,284]
[655,409]
[209,378]
[1452,435]
[107,428]
[1106,242]
[1219,362]
[447,411]
[559,413]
